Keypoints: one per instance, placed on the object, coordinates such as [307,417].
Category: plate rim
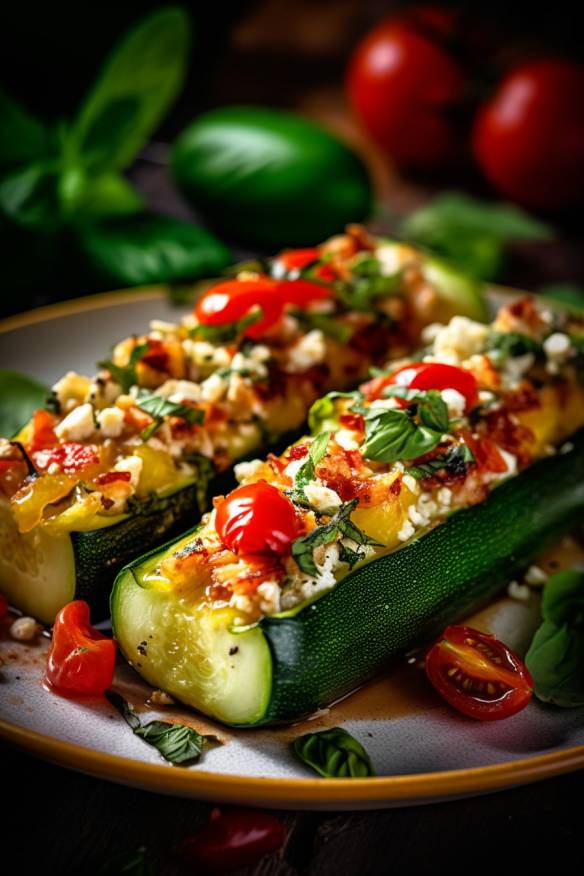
[423,787]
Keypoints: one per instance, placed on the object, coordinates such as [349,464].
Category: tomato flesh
[80,660]
[43,433]
[435,375]
[257,519]
[70,457]
[296,259]
[478,675]
[231,840]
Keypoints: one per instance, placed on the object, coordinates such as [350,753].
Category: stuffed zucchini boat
[416,498]
[119,462]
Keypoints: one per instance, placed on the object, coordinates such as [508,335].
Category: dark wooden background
[291,54]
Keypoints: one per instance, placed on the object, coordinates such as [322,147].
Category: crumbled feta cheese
[454,401]
[78,425]
[535,576]
[322,498]
[416,518]
[486,397]
[160,325]
[518,591]
[293,467]
[24,629]
[393,257]
[214,388]
[111,422]
[346,439]
[205,355]
[160,698]
[411,483]
[259,353]
[387,403]
[309,350]
[178,391]
[269,593]
[429,332]
[461,338]
[71,389]
[444,495]
[557,346]
[245,470]
[241,603]
[134,465]
[406,531]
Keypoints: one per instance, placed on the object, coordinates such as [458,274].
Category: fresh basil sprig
[159,407]
[455,461]
[340,524]
[307,471]
[20,396]
[556,654]
[512,344]
[177,743]
[125,375]
[392,434]
[327,323]
[334,754]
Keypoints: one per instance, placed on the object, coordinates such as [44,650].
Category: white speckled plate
[421,749]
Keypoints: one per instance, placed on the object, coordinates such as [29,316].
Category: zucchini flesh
[323,651]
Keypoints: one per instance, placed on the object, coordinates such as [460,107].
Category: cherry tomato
[402,84]
[296,259]
[232,300]
[529,137]
[435,375]
[80,659]
[478,674]
[257,519]
[43,433]
[231,840]
[70,457]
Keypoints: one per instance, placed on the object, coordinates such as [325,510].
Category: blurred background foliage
[282,54]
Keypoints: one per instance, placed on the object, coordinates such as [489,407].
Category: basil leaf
[556,655]
[334,754]
[454,462]
[177,743]
[471,233]
[22,137]
[125,375]
[135,88]
[340,524]
[159,407]
[303,547]
[328,324]
[431,407]
[512,344]
[20,396]
[29,196]
[231,331]
[323,411]
[307,471]
[361,292]
[569,295]
[142,249]
[392,435]
[107,195]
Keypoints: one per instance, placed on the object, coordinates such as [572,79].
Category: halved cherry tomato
[257,519]
[43,433]
[231,840]
[296,259]
[234,299]
[70,457]
[80,660]
[435,375]
[478,674]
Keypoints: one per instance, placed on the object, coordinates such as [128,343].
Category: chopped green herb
[323,411]
[361,292]
[328,324]
[125,376]
[392,435]
[159,407]
[334,754]
[228,332]
[307,470]
[512,344]
[340,524]
[455,461]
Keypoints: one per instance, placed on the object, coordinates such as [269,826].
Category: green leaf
[340,524]
[454,462]
[328,324]
[430,406]
[228,333]
[159,407]
[86,197]
[306,472]
[512,344]
[361,292]
[125,375]
[556,654]
[177,743]
[143,249]
[569,295]
[392,435]
[20,396]
[470,232]
[334,754]
[133,92]
[322,414]
[29,196]
[22,137]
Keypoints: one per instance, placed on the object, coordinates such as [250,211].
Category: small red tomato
[80,660]
[300,292]
[42,433]
[257,519]
[70,457]
[529,137]
[478,674]
[296,259]
[403,84]
[232,300]
[435,375]
[231,840]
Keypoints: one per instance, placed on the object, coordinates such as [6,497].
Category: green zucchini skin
[324,650]
[345,638]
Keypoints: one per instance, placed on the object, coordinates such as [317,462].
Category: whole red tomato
[529,137]
[403,84]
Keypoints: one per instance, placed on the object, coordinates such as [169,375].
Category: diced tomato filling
[156,356]
[70,457]
[43,433]
[109,477]
[299,451]
[486,453]
[352,421]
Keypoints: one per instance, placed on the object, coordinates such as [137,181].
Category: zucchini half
[289,665]
[41,571]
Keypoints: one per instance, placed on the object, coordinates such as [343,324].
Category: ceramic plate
[421,749]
